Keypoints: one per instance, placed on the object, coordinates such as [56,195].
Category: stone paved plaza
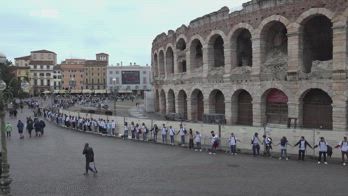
[54,165]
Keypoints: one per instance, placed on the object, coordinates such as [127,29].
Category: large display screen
[130,77]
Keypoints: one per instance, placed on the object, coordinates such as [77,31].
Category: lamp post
[5,179]
[114,97]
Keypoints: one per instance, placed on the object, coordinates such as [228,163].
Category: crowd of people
[137,131]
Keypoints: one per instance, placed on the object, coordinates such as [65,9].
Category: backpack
[283,142]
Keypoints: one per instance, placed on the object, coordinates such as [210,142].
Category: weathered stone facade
[272,61]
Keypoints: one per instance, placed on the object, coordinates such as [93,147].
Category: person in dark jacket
[302,144]
[42,126]
[37,127]
[89,155]
[30,126]
[20,127]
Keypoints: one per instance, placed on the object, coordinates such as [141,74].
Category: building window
[111,81]
[41,82]
[145,80]
[35,74]
[111,72]
[48,74]
[117,72]
[117,81]
[41,67]
[144,72]
[42,74]
[35,67]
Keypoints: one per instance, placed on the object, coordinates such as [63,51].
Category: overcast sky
[81,28]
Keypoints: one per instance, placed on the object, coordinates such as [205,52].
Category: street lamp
[114,97]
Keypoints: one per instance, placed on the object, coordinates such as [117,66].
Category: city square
[242,97]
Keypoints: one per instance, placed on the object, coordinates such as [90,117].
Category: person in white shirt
[182,131]
[232,141]
[323,147]
[344,149]
[283,148]
[137,131]
[198,139]
[125,131]
[302,146]
[144,131]
[255,142]
[164,134]
[171,135]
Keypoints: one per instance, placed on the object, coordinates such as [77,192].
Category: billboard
[130,77]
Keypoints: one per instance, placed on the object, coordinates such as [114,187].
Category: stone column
[258,114]
[234,109]
[339,106]
[228,112]
[294,53]
[293,112]
[189,108]
[165,66]
[227,53]
[257,56]
[339,50]
[205,60]
[188,61]
[175,61]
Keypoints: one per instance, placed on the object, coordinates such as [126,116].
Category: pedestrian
[267,142]
[89,155]
[198,140]
[343,145]
[283,148]
[145,131]
[182,131]
[113,128]
[132,128]
[20,127]
[155,132]
[42,126]
[171,135]
[232,141]
[255,142]
[8,128]
[323,148]
[137,131]
[191,145]
[164,134]
[214,143]
[29,126]
[125,131]
[302,146]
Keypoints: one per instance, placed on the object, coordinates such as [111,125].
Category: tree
[7,75]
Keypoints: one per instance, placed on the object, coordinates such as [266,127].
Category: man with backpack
[232,141]
[171,135]
[164,134]
[323,150]
[344,149]
[182,132]
[255,142]
[302,145]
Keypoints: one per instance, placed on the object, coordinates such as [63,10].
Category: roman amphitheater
[275,62]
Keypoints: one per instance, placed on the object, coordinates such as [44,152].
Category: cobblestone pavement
[54,165]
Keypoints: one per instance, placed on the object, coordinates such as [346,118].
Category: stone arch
[163,103]
[161,63]
[170,60]
[216,102]
[274,106]
[181,45]
[242,108]
[216,53]
[155,64]
[171,101]
[197,105]
[316,39]
[315,109]
[274,44]
[241,45]
[196,54]
[182,104]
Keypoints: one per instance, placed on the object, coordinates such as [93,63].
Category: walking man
[89,155]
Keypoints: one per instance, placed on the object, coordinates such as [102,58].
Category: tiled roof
[102,53]
[23,58]
[43,51]
[96,63]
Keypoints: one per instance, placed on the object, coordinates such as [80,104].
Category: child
[233,144]
[283,148]
[198,139]
[302,148]
[323,147]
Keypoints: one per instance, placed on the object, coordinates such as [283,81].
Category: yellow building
[95,72]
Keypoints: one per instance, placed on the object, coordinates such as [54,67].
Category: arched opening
[197,105]
[196,52]
[216,102]
[216,51]
[242,108]
[163,104]
[241,46]
[182,104]
[170,61]
[171,101]
[157,102]
[276,107]
[317,43]
[317,110]
[181,55]
[274,47]
[161,63]
[155,63]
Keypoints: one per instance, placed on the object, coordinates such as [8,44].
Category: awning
[87,91]
[100,91]
[56,91]
[46,92]
[75,91]
[62,91]
[125,91]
